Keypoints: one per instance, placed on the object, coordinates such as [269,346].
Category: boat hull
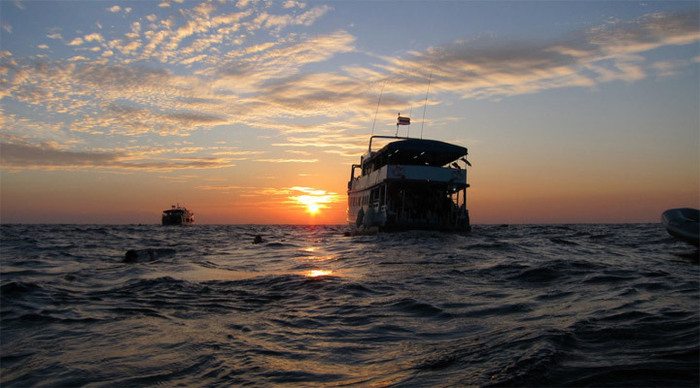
[177,216]
[395,205]
[167,221]
[683,224]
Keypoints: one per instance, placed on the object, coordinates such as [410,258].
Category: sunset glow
[314,200]
[254,112]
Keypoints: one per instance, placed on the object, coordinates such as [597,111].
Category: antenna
[397,126]
[377,110]
[408,129]
[426,104]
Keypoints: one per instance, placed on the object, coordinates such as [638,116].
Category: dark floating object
[149,254]
[683,224]
[258,239]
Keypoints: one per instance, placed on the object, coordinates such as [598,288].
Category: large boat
[177,215]
[410,184]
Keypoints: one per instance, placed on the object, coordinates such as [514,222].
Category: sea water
[525,305]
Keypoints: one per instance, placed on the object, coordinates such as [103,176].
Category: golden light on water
[315,273]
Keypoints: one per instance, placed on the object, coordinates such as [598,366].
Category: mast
[425,105]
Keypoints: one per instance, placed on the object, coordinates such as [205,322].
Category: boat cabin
[177,216]
[410,184]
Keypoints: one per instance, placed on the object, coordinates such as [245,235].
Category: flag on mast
[403,120]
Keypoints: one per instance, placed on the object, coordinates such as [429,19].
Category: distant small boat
[177,215]
[683,224]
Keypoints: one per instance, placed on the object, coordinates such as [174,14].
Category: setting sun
[312,208]
[312,203]
[313,200]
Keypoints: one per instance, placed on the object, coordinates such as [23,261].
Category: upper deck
[411,160]
[414,152]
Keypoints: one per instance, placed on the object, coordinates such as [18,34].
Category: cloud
[114,9]
[54,35]
[273,85]
[669,68]
[489,68]
[249,73]
[33,156]
[278,22]
[287,160]
[26,155]
[338,141]
[128,120]
[94,37]
[293,4]
[307,198]
[76,42]
[227,188]
[311,198]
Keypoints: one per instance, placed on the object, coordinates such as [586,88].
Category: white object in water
[682,224]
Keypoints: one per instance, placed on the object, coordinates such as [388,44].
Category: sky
[254,111]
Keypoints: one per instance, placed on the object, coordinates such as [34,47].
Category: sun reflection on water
[315,273]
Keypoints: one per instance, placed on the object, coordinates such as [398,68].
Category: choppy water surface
[519,305]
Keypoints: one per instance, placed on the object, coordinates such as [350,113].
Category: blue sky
[572,111]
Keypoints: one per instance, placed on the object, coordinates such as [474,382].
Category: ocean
[508,305]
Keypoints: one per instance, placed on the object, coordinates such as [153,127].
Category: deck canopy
[415,152]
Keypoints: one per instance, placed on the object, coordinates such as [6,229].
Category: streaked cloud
[287,160]
[251,70]
[44,155]
[126,120]
[669,68]
[47,156]
[278,22]
[489,68]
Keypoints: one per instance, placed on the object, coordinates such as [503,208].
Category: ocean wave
[517,305]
